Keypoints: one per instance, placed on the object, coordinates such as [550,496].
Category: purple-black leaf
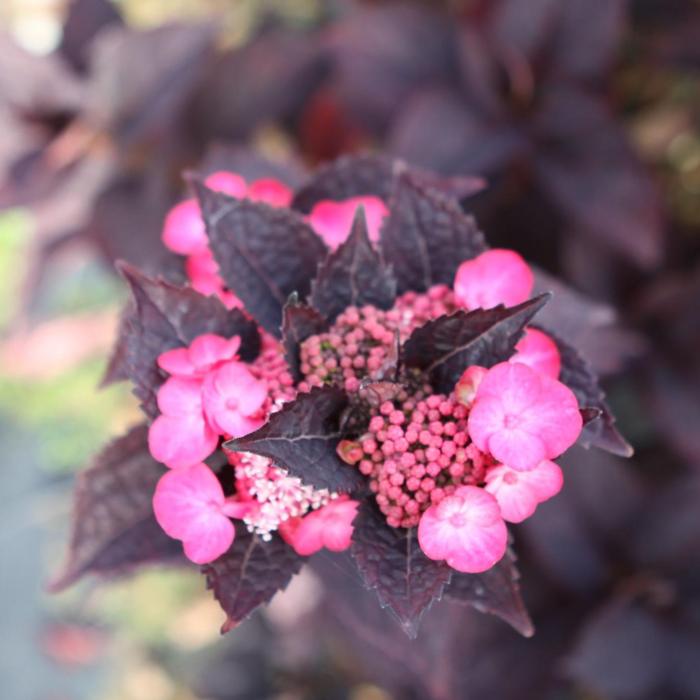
[114,528]
[264,253]
[445,347]
[302,438]
[160,317]
[353,275]
[392,563]
[250,574]
[496,592]
[427,235]
[578,375]
[299,322]
[369,174]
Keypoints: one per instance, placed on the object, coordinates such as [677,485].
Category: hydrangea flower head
[537,350]
[329,526]
[519,493]
[333,220]
[189,504]
[495,277]
[523,417]
[465,529]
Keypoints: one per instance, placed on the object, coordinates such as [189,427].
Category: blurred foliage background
[155,636]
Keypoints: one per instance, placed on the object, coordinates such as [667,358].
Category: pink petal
[519,449]
[538,351]
[208,350]
[468,384]
[495,277]
[183,230]
[305,534]
[465,529]
[519,493]
[177,362]
[181,441]
[338,516]
[180,396]
[228,183]
[332,220]
[516,386]
[214,540]
[270,191]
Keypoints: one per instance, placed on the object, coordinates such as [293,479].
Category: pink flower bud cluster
[416,452]
[418,308]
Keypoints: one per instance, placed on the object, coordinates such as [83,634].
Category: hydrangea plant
[350,368]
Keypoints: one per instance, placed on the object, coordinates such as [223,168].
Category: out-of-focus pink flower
[233,399]
[270,191]
[231,184]
[519,493]
[465,529]
[184,231]
[203,273]
[537,350]
[332,220]
[330,526]
[468,384]
[523,417]
[180,436]
[495,277]
[205,352]
[189,504]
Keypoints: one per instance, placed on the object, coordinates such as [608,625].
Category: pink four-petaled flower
[329,526]
[465,529]
[189,504]
[523,417]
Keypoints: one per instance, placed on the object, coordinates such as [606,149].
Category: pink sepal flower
[519,493]
[204,354]
[537,350]
[233,399]
[495,277]
[229,183]
[332,220]
[189,505]
[523,417]
[330,526]
[180,436]
[465,529]
[468,384]
[184,231]
[270,191]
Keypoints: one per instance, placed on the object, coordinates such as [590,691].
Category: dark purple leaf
[392,563]
[265,81]
[382,53]
[585,163]
[427,235]
[623,652]
[445,347]
[114,528]
[264,253]
[439,129]
[140,80]
[302,438]
[578,375]
[160,317]
[250,574]
[299,322]
[496,591]
[84,21]
[369,174]
[353,275]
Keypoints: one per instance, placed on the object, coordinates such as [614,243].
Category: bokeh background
[583,116]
